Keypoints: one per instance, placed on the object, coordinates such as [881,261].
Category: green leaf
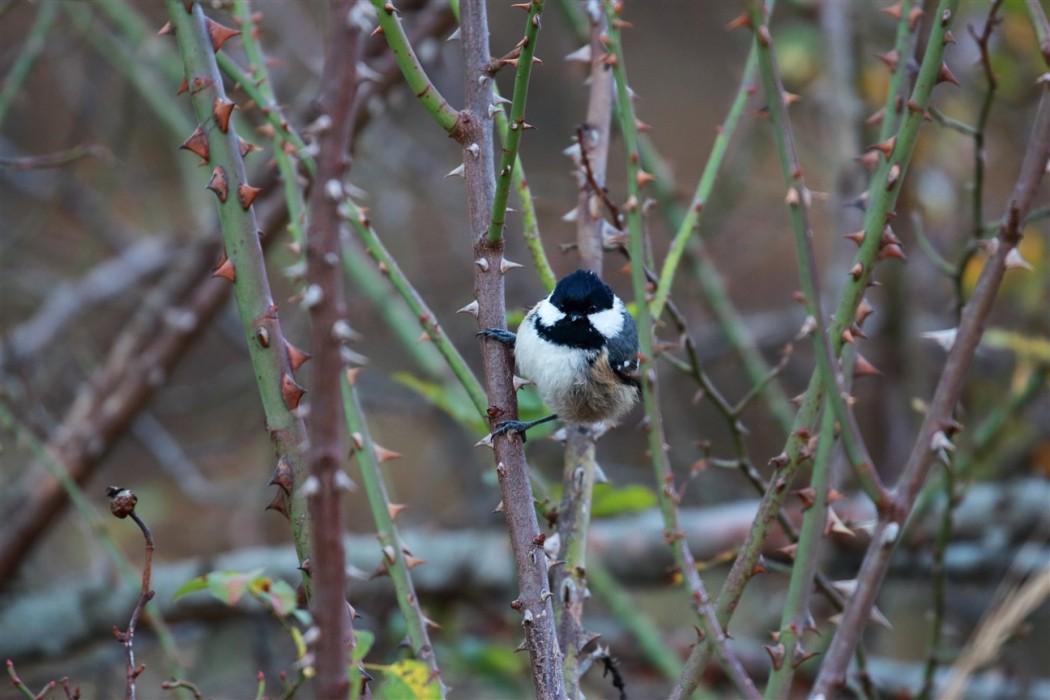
[609,500]
[227,586]
[282,597]
[192,586]
[408,680]
[364,640]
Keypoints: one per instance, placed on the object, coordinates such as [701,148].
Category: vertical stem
[325,301]
[533,601]
[580,467]
[251,287]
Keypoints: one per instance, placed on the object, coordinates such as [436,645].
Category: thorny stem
[788,653]
[286,143]
[798,202]
[267,347]
[571,578]
[982,119]
[657,445]
[593,141]
[938,416]
[418,81]
[396,557]
[256,85]
[706,271]
[711,282]
[521,58]
[893,105]
[529,222]
[541,641]
[580,468]
[329,335]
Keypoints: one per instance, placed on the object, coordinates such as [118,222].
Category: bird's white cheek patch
[608,322]
[548,313]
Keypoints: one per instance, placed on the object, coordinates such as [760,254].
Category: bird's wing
[623,350]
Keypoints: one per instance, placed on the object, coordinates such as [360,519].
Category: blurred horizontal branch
[471,562]
[70,300]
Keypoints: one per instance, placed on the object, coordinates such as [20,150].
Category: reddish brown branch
[533,602]
[329,333]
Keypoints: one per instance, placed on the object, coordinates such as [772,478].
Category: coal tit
[580,347]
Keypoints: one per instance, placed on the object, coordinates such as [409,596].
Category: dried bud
[121,501]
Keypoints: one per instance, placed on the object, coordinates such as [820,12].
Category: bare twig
[21,687]
[122,504]
[176,684]
[58,159]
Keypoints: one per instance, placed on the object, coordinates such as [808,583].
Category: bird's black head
[582,293]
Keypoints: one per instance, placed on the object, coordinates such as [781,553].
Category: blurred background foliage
[198,456]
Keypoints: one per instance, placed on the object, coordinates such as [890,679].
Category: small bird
[580,347]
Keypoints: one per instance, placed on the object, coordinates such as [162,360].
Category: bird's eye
[591,309]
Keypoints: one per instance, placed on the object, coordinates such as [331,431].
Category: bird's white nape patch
[610,321]
[548,313]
